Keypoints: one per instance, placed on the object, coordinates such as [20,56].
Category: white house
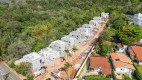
[91,28]
[77,36]
[99,19]
[85,33]
[49,55]
[34,58]
[70,41]
[94,23]
[59,45]
[105,15]
[137,19]
[121,63]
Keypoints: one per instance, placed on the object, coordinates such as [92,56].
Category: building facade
[70,41]
[59,46]
[137,19]
[34,58]
[49,55]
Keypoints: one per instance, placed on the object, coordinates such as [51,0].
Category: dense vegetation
[34,24]
[24,68]
[138,71]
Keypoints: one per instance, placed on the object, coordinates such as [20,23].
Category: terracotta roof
[96,62]
[120,60]
[136,52]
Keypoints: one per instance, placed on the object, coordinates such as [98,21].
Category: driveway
[6,69]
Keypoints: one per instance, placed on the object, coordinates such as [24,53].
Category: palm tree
[65,67]
[68,53]
[74,49]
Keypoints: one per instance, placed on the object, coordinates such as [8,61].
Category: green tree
[65,69]
[130,34]
[126,77]
[138,71]
[108,34]
[17,50]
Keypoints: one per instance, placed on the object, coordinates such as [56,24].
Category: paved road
[12,75]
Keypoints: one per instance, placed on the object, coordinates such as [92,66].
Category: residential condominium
[34,58]
[59,46]
[137,19]
[104,15]
[85,33]
[90,27]
[77,36]
[49,55]
[70,41]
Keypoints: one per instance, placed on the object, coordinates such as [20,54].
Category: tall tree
[130,34]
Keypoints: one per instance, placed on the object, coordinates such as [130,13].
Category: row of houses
[120,62]
[57,48]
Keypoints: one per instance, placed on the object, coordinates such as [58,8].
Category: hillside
[34,24]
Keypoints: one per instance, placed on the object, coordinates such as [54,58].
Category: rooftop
[96,62]
[137,52]
[58,42]
[121,60]
[32,56]
[97,18]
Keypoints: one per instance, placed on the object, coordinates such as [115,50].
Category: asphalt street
[6,69]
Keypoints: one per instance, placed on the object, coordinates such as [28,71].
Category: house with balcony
[34,58]
[77,36]
[85,33]
[121,63]
[135,53]
[70,41]
[59,46]
[49,55]
[137,19]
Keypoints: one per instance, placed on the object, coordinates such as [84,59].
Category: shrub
[96,77]
[138,71]
[126,77]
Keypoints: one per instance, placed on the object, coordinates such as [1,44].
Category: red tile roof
[96,62]
[120,59]
[136,52]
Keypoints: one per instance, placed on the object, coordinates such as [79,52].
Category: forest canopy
[31,25]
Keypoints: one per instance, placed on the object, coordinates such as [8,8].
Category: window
[117,59]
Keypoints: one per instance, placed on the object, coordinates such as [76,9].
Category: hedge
[96,77]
